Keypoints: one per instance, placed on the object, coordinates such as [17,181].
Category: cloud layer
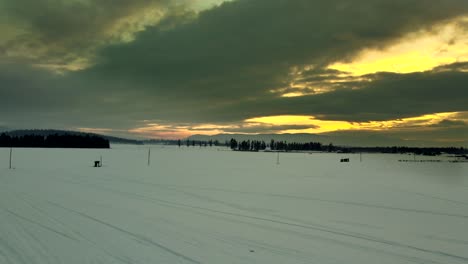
[158,61]
[64,34]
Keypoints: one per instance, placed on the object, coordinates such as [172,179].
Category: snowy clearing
[204,205]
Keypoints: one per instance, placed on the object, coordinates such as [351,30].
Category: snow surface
[210,205]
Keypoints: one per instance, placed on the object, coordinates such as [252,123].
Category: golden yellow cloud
[417,52]
[321,126]
[258,124]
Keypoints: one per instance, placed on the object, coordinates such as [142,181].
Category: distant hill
[48,132]
[118,140]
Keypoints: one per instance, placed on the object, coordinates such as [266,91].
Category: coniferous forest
[248,145]
[53,141]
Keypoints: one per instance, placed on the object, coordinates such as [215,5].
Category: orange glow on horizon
[317,126]
[249,126]
[175,132]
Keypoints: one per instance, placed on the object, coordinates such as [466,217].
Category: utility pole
[360,156]
[277,159]
[11,153]
[149,155]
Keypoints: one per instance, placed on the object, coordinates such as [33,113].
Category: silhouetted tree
[233,144]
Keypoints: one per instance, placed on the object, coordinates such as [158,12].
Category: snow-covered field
[202,205]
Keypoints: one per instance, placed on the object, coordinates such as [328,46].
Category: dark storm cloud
[245,48]
[447,123]
[389,96]
[416,137]
[459,66]
[61,31]
[24,88]
[448,132]
[222,65]
[36,98]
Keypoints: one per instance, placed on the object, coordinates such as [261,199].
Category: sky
[175,68]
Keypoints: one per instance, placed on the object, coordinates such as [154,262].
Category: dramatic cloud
[267,129]
[245,48]
[160,62]
[64,34]
[447,123]
[388,96]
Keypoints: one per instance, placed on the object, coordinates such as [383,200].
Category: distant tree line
[254,145]
[294,146]
[200,143]
[48,132]
[53,141]
[248,145]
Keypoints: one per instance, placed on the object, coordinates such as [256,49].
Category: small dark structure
[97,164]
[344,160]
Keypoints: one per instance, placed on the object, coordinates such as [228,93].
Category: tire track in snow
[377,206]
[322,229]
[197,210]
[358,236]
[42,250]
[280,216]
[320,238]
[9,252]
[134,235]
[450,240]
[77,233]
[367,205]
[340,233]
[436,198]
[300,234]
[39,224]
